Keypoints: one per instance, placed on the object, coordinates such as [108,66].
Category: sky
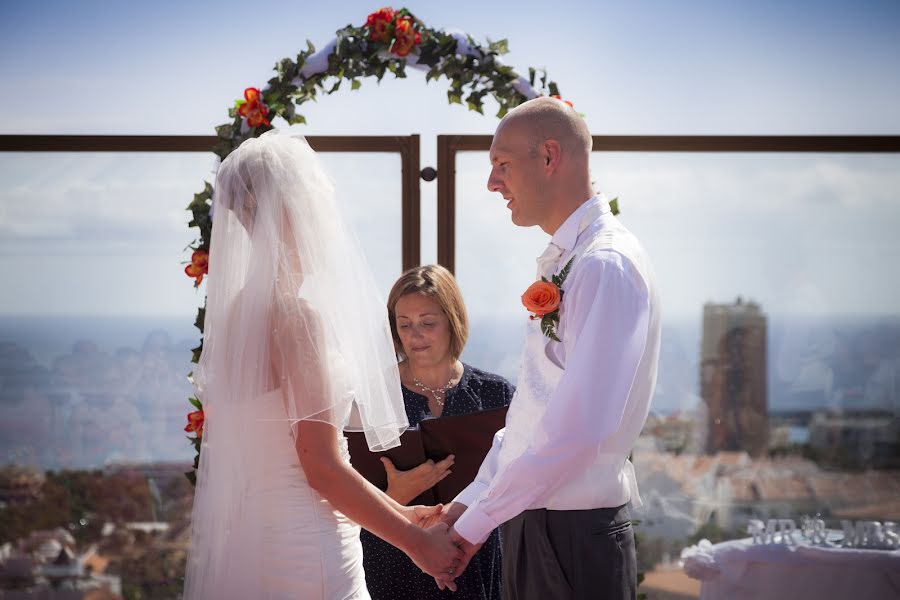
[104,233]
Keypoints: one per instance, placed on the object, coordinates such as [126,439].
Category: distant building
[857,438]
[19,485]
[733,381]
[48,566]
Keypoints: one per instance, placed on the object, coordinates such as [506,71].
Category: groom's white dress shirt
[581,403]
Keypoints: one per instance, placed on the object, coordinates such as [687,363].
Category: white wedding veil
[292,307]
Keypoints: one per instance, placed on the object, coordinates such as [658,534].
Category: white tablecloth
[741,570]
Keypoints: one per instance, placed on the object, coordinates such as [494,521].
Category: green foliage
[561,277]
[614,205]
[548,325]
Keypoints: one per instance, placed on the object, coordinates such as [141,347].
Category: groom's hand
[450,513]
[468,551]
[437,554]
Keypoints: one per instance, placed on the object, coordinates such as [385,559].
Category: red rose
[253,108]
[379,24]
[405,37]
[195,423]
[199,266]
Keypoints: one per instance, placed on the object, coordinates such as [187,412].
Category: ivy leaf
[614,205]
[201,197]
[554,90]
[500,46]
[225,131]
[195,357]
[531,74]
[453,97]
[355,84]
[201,319]
[192,477]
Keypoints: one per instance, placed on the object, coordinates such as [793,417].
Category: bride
[297,349]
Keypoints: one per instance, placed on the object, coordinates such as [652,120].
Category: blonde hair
[437,283]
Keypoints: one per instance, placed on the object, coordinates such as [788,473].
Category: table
[742,570]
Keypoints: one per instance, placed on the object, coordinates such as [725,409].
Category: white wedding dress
[292,307]
[313,551]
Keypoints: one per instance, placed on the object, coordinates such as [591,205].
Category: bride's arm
[300,364]
[365,504]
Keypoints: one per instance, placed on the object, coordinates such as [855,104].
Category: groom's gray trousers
[569,554]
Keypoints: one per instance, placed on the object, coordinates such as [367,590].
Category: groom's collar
[567,235]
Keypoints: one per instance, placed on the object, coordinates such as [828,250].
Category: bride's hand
[437,554]
[421,515]
[403,486]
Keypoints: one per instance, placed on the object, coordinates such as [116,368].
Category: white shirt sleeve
[604,326]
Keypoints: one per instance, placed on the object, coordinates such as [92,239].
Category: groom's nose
[494,184]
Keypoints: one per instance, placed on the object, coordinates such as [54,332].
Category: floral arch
[388,42]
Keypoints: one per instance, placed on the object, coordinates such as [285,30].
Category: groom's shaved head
[540,163]
[543,119]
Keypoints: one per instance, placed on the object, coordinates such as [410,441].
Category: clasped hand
[435,552]
[430,517]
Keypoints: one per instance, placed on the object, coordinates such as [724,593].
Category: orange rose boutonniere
[544,298]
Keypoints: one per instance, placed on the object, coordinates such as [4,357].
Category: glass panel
[779,377]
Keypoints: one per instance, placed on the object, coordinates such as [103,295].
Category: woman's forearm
[348,491]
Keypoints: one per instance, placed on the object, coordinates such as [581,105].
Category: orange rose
[199,266]
[405,36]
[379,24]
[253,109]
[561,100]
[195,423]
[541,298]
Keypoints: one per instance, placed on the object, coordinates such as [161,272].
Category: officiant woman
[430,327]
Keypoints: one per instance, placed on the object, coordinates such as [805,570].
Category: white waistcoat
[609,481]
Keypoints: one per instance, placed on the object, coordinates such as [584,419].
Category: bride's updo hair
[234,182]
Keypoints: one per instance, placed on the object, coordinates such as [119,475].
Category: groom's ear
[551,153]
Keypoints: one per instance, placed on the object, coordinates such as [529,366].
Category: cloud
[99,198]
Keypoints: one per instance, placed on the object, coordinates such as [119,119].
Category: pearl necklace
[435,391]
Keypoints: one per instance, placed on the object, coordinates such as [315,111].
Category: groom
[558,478]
